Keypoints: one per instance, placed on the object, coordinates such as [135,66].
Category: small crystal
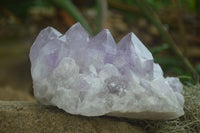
[94,76]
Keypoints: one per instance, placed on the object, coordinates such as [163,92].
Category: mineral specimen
[94,76]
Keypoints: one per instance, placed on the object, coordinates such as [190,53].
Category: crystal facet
[94,76]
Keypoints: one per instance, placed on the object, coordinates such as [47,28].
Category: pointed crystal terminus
[94,76]
[134,52]
[44,36]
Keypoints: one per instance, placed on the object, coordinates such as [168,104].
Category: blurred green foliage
[21,8]
[162,4]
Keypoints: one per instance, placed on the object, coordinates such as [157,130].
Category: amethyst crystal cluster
[93,76]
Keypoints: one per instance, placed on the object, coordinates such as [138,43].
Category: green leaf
[99,16]
[160,48]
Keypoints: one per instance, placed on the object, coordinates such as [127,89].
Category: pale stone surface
[31,117]
[92,76]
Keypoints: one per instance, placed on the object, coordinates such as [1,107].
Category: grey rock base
[32,117]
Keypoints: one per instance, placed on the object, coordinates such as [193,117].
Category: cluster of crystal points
[93,76]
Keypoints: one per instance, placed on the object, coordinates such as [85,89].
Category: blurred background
[169,28]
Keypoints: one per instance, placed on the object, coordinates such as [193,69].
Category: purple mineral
[94,76]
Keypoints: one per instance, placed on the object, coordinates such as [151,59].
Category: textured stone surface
[10,94]
[93,76]
[31,117]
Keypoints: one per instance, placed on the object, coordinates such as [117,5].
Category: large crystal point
[76,37]
[103,42]
[94,76]
[101,49]
[77,33]
[136,55]
[44,36]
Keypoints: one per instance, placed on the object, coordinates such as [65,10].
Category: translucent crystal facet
[94,76]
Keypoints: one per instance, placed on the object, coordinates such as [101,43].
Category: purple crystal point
[101,49]
[103,42]
[93,76]
[44,36]
[76,34]
[140,49]
[77,39]
[136,55]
